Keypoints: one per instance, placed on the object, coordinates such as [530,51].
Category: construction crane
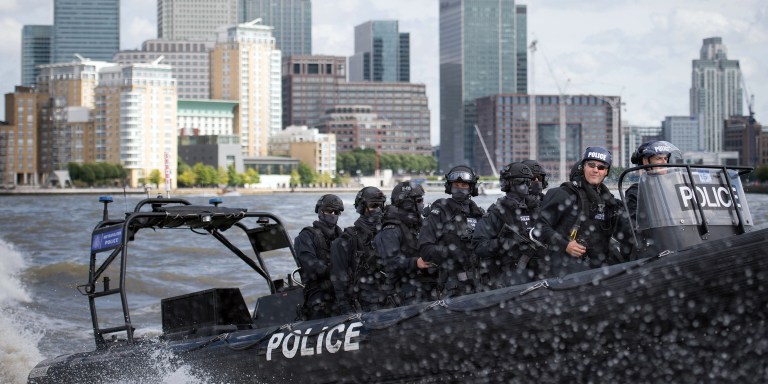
[750,100]
[533,130]
[563,100]
[751,119]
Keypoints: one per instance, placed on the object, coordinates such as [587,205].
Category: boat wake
[21,332]
[19,335]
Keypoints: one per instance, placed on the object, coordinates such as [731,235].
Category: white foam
[19,335]
[11,289]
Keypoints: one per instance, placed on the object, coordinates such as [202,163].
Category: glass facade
[682,131]
[89,28]
[292,20]
[308,97]
[504,123]
[479,57]
[194,19]
[382,53]
[35,50]
[190,61]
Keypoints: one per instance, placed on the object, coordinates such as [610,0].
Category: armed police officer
[313,249]
[652,152]
[397,245]
[578,218]
[445,238]
[506,255]
[538,184]
[357,274]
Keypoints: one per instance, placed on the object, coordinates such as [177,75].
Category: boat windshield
[666,197]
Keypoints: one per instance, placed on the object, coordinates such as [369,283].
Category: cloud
[138,22]
[8,5]
[138,31]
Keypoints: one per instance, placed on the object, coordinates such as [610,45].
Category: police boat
[691,307]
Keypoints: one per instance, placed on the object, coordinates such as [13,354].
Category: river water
[44,253]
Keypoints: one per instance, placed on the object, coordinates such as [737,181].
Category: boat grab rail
[136,220]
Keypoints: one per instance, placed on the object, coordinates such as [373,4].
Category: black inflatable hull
[693,316]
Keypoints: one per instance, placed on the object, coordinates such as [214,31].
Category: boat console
[681,205]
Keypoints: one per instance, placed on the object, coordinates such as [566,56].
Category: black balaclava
[461,195]
[536,187]
[329,219]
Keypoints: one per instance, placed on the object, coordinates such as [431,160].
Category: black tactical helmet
[511,171]
[329,201]
[406,190]
[368,195]
[462,173]
[537,170]
[653,148]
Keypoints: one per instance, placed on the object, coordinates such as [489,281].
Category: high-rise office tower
[245,67]
[382,53]
[35,50]
[194,19]
[682,131]
[716,92]
[90,28]
[482,48]
[292,20]
[313,85]
[190,60]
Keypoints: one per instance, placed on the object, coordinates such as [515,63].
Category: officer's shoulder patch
[388,226]
[435,211]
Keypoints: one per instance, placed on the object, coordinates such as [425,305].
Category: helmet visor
[460,175]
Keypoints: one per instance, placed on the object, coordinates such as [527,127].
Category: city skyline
[639,51]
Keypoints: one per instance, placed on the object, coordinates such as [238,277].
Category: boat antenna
[167,175]
[125,197]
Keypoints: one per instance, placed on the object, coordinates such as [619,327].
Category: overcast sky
[639,50]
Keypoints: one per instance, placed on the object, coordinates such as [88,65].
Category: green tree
[307,175]
[154,177]
[98,172]
[222,176]
[341,179]
[87,175]
[187,178]
[235,179]
[252,176]
[324,178]
[122,173]
[75,171]
[201,176]
[295,178]
[107,170]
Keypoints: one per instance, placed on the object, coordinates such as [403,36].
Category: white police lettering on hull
[338,338]
[710,196]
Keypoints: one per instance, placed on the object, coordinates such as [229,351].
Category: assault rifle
[513,234]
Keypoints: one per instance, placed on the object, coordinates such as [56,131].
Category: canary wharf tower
[482,52]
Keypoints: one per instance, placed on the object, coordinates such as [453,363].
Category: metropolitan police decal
[106,238]
[709,196]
